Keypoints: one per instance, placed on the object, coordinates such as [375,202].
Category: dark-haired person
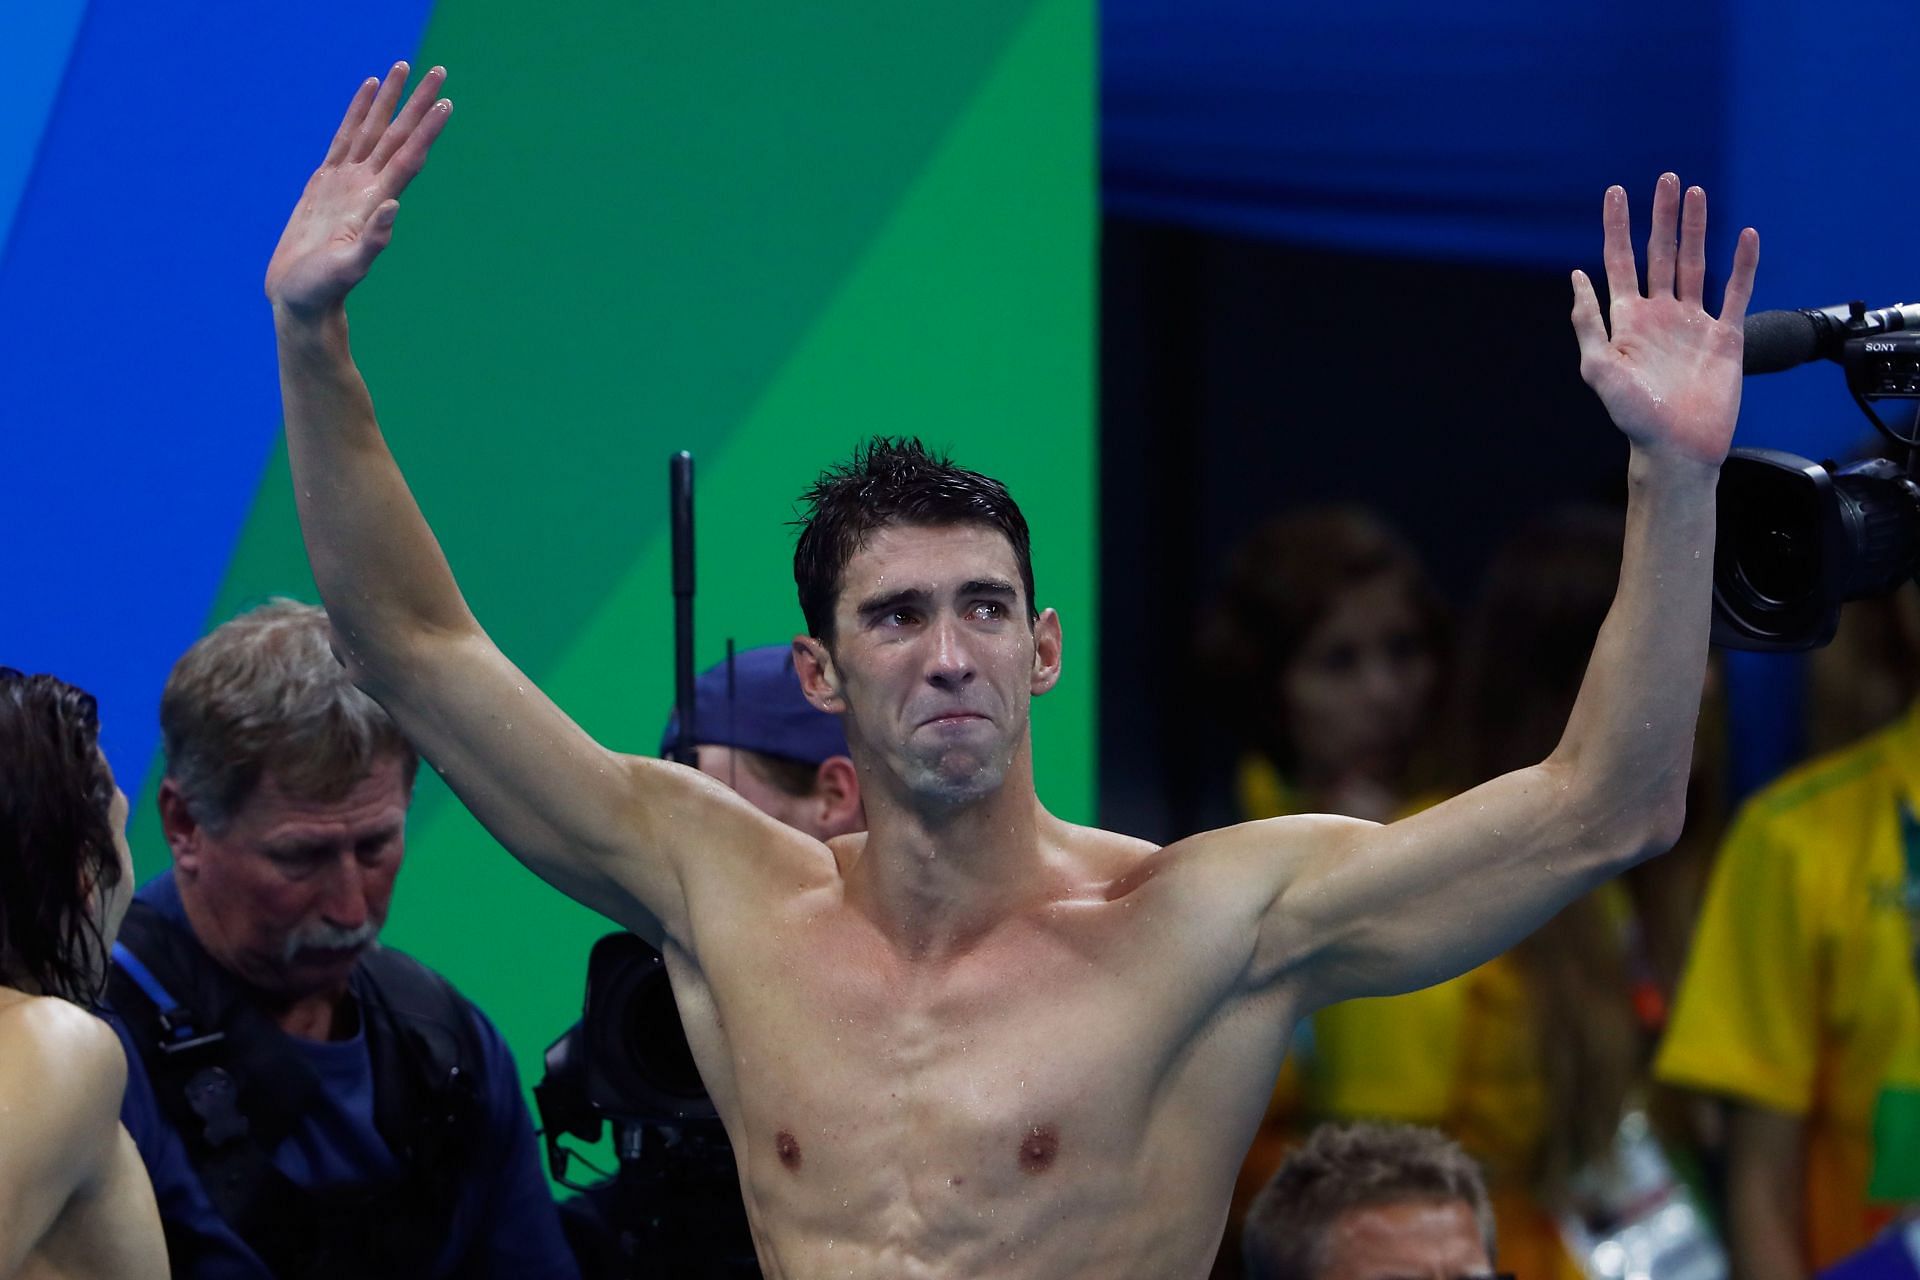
[1372,1202]
[980,1040]
[1325,652]
[308,1102]
[74,1199]
[754,730]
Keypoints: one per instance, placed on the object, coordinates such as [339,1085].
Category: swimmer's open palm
[1670,373]
[345,215]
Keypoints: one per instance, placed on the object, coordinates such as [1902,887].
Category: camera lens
[1777,567]
[656,1043]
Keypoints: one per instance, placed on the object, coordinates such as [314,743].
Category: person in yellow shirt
[1800,1005]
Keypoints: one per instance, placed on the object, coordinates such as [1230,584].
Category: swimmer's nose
[950,665]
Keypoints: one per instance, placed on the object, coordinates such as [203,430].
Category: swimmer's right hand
[345,215]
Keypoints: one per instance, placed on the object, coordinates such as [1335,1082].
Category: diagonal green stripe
[534,363]
[978,330]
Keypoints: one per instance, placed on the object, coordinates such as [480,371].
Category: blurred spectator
[1865,678]
[1531,1060]
[1800,1002]
[1367,1202]
[1326,650]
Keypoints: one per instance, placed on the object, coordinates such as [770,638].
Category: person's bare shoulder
[62,1073]
[62,1052]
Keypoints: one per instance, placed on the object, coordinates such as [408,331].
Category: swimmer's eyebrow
[989,587]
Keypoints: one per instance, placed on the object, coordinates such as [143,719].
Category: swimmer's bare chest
[1063,1098]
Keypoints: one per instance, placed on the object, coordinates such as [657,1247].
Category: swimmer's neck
[936,879]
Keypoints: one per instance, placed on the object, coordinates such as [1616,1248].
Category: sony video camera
[1796,538]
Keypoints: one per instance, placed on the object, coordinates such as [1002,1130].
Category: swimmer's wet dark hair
[56,837]
[892,480]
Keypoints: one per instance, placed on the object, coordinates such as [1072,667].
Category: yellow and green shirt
[1801,992]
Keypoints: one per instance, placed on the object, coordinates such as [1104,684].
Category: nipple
[1041,1146]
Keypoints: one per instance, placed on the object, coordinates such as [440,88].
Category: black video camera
[673,1207]
[1797,539]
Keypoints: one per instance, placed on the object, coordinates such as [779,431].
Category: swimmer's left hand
[1670,372]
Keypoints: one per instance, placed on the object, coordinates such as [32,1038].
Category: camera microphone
[1778,340]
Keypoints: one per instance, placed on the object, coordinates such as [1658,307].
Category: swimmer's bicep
[1246,895]
[1389,909]
[587,819]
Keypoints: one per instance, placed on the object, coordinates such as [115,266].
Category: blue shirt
[504,1223]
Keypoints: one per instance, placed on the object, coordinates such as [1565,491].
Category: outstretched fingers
[397,133]
[1660,238]
[1623,280]
[412,156]
[350,123]
[379,113]
[1746,258]
[1691,284]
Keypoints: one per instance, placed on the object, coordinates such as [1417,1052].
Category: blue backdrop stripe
[140,391]
[35,42]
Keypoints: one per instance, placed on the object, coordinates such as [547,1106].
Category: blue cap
[767,712]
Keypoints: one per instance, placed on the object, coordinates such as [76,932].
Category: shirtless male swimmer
[978,1041]
[75,1203]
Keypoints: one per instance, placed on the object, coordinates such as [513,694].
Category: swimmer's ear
[818,680]
[1047,645]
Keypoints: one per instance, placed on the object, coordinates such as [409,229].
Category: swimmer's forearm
[377,564]
[1628,746]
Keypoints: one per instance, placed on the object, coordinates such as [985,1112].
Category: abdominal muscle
[1029,1109]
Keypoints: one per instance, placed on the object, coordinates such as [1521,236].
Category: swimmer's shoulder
[60,1060]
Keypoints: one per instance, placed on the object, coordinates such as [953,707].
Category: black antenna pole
[680,514]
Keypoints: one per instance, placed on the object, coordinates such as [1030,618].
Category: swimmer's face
[292,891]
[1356,693]
[934,663]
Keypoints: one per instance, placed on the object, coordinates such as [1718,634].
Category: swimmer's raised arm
[604,828]
[1361,909]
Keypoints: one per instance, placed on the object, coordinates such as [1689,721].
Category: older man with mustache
[308,1102]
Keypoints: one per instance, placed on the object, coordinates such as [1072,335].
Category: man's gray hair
[1352,1166]
[264,692]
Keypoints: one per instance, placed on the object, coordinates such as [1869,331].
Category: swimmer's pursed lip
[951,717]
